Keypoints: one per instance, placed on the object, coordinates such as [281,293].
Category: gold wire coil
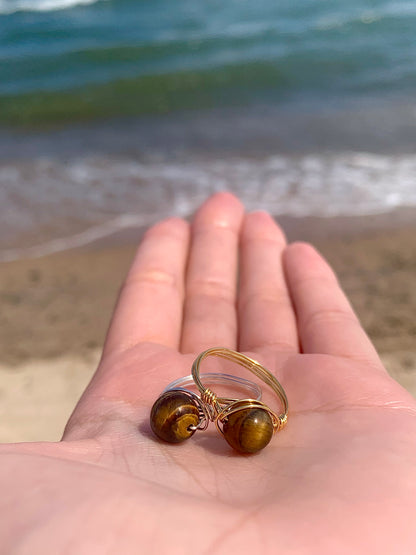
[222,406]
[209,397]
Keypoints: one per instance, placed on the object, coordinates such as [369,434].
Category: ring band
[214,377]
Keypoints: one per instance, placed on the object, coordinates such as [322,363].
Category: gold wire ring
[247,424]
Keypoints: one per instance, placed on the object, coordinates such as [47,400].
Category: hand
[340,478]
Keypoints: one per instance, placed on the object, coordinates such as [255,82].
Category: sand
[54,312]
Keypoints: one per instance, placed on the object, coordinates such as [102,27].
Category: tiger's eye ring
[179,412]
[247,424]
[174,416]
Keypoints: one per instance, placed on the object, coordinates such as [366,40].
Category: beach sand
[54,312]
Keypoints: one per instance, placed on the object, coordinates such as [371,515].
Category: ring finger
[267,318]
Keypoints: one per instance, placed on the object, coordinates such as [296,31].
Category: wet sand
[54,312]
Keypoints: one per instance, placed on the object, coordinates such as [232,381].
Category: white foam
[72,203]
[12,6]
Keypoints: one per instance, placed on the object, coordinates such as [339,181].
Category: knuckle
[152,277]
[211,289]
[275,299]
[329,316]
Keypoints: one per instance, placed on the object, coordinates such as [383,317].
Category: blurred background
[116,113]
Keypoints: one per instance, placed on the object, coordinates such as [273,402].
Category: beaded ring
[247,424]
[179,412]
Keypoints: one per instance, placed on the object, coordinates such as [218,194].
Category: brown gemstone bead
[248,430]
[172,415]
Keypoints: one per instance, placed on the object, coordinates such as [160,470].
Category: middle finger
[210,317]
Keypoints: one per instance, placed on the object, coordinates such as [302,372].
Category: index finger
[149,308]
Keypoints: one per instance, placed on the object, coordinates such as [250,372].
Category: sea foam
[12,6]
[49,205]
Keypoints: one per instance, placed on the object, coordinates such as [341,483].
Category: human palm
[340,478]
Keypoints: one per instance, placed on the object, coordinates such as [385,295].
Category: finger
[210,317]
[151,300]
[266,316]
[326,321]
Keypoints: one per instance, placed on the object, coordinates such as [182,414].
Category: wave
[53,200]
[12,6]
[365,16]
[122,58]
[147,94]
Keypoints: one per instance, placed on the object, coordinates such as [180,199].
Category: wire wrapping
[224,409]
[209,405]
[209,397]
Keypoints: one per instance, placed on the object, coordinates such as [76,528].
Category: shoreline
[54,312]
[120,231]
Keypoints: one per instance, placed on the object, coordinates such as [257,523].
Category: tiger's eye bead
[248,430]
[172,415]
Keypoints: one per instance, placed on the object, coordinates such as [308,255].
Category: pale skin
[340,478]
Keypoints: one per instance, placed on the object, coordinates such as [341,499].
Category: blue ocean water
[218,52]
[138,109]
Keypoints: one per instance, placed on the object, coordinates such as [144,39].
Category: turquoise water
[63,60]
[116,113]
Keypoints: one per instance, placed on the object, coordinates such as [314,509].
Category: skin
[340,478]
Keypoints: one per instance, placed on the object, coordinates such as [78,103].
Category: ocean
[116,113]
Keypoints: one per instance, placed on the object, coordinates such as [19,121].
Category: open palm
[340,478]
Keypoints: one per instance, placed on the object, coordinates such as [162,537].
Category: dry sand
[55,311]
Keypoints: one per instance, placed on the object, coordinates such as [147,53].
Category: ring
[247,424]
[179,412]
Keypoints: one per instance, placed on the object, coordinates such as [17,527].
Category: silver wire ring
[215,378]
